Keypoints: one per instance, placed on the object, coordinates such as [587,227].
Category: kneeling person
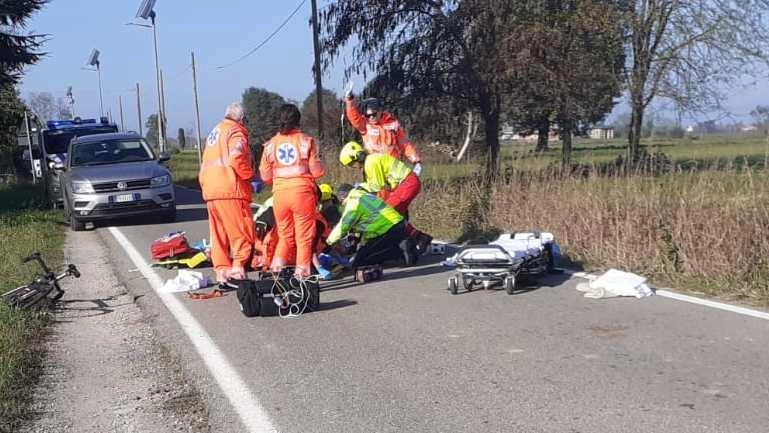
[382,229]
[391,180]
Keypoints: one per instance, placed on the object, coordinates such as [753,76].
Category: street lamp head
[146,10]
[93,59]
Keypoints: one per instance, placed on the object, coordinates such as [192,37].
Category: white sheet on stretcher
[522,245]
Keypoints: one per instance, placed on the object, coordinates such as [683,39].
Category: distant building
[601,133]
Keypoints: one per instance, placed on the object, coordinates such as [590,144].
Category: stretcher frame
[497,267]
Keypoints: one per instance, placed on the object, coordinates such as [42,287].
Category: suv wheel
[169,216]
[75,225]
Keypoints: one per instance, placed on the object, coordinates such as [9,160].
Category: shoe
[221,276]
[423,242]
[325,274]
[236,273]
[408,248]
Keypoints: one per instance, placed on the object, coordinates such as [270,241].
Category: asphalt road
[403,355]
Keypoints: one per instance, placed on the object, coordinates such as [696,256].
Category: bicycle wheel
[27,296]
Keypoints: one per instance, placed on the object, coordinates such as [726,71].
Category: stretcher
[503,261]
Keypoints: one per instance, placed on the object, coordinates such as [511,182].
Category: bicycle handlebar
[31,257]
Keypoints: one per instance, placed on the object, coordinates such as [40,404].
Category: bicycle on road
[44,286]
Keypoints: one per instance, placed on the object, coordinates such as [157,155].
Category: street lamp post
[93,60]
[146,12]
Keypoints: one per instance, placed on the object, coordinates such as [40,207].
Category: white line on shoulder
[251,412]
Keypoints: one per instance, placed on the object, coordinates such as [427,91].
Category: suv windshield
[57,142]
[110,152]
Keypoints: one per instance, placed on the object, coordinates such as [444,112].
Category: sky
[219,33]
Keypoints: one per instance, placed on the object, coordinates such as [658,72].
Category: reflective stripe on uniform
[290,171]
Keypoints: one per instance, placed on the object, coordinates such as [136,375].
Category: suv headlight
[161,181]
[82,188]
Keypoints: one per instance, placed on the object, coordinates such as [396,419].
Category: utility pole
[29,147]
[318,72]
[122,122]
[162,121]
[197,109]
[139,109]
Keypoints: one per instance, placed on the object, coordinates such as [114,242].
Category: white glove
[348,90]
[418,169]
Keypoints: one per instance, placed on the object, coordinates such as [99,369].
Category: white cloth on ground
[616,283]
[185,281]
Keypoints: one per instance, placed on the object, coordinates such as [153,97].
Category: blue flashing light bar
[64,124]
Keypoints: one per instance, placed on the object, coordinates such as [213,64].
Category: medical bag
[170,245]
[271,297]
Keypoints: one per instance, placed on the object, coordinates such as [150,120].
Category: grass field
[24,227]
[704,227]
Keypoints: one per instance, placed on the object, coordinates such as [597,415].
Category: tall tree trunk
[566,140]
[634,135]
[472,125]
[543,134]
[490,105]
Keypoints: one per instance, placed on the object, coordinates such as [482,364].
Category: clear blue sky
[219,32]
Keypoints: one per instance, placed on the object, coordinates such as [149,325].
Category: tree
[689,52]
[152,129]
[760,116]
[430,49]
[11,116]
[181,138]
[261,107]
[570,60]
[332,112]
[17,50]
[47,107]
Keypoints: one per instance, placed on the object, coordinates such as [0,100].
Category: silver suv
[110,176]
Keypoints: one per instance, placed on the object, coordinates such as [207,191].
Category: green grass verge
[25,226]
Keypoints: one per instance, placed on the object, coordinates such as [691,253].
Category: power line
[280,27]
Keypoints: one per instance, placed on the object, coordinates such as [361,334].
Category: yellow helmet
[351,152]
[326,192]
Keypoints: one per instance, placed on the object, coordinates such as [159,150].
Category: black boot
[423,241]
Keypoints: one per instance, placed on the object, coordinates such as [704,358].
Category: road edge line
[248,408]
[667,293]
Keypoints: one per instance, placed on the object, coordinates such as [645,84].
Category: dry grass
[706,231]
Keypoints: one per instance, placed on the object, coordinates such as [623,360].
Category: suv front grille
[118,208]
[130,185]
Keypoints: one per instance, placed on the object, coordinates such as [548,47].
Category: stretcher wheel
[453,285]
[509,285]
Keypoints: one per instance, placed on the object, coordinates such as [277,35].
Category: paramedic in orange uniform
[225,180]
[381,132]
[290,162]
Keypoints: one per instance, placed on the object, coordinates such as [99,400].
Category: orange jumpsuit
[384,136]
[290,162]
[225,180]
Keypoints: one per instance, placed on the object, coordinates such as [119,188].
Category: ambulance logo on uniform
[286,154]
[213,137]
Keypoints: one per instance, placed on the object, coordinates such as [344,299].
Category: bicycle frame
[41,287]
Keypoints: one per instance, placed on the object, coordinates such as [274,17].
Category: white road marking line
[202,206]
[713,304]
[690,299]
[252,413]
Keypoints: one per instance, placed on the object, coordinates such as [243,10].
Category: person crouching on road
[225,179]
[390,179]
[382,228]
[290,162]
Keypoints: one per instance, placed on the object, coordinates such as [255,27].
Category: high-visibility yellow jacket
[366,214]
[383,172]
